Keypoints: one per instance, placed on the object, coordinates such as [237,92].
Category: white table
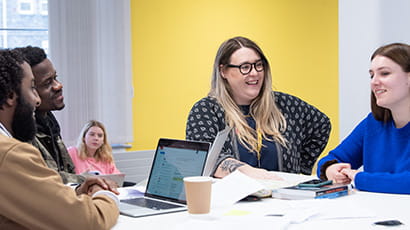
[358,210]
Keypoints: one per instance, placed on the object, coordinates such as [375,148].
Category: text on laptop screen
[173,161]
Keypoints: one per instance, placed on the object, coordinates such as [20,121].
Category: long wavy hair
[269,120]
[103,153]
[400,54]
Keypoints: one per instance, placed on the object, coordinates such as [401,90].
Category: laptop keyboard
[152,204]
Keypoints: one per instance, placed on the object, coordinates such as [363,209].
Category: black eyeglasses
[246,68]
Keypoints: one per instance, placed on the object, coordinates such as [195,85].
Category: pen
[275,215]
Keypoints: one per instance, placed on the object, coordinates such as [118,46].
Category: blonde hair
[269,120]
[103,153]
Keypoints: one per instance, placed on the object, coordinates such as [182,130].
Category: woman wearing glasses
[271,131]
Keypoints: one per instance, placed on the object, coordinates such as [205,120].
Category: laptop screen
[174,160]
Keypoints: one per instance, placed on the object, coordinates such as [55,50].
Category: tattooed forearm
[231,165]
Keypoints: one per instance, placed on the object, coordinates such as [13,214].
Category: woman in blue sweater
[381,142]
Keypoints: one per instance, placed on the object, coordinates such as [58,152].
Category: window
[22,24]
[25,7]
[43,7]
[91,59]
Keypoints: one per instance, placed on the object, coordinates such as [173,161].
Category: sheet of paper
[129,193]
[232,223]
[232,188]
[275,184]
[326,208]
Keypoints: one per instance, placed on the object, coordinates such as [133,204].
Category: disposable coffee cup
[198,194]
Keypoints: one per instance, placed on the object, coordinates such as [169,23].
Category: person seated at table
[271,131]
[381,141]
[48,137]
[33,195]
[93,154]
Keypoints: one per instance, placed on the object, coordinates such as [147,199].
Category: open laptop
[165,193]
[215,151]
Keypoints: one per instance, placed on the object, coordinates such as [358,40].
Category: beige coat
[32,196]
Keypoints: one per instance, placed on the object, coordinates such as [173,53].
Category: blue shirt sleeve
[349,151]
[384,152]
[384,182]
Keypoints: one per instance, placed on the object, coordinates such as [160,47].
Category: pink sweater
[91,164]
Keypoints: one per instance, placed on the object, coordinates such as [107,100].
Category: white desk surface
[358,210]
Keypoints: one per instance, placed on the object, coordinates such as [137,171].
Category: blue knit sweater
[384,152]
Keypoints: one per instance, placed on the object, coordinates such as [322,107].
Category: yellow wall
[174,44]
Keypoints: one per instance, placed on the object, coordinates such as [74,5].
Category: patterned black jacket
[307,131]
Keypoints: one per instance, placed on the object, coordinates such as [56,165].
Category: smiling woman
[93,154]
[380,143]
[271,131]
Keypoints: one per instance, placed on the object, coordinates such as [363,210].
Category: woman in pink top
[93,154]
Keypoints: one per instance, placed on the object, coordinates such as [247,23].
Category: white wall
[364,25]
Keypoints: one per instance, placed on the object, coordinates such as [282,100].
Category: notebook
[215,151]
[165,193]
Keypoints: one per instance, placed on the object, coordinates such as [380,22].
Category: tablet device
[118,178]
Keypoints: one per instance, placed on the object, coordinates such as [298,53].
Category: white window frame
[44,45]
[23,11]
[43,7]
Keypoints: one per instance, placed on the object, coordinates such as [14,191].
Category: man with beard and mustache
[48,139]
[33,195]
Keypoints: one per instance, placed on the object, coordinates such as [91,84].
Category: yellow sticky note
[237,213]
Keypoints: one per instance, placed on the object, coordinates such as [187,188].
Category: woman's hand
[335,172]
[230,164]
[351,173]
[258,173]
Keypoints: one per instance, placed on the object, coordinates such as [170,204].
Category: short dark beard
[23,125]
